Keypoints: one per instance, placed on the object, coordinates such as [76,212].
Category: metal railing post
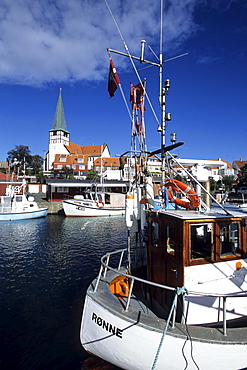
[224,316]
[129,295]
[98,278]
[121,259]
[107,263]
[174,311]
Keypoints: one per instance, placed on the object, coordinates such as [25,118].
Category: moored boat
[95,203]
[176,297]
[16,205]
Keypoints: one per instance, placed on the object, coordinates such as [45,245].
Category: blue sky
[45,45]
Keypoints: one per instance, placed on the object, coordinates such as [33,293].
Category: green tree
[228,181]
[93,175]
[40,177]
[213,185]
[242,176]
[20,155]
[36,163]
[67,173]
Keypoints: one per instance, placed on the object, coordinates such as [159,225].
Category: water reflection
[45,268]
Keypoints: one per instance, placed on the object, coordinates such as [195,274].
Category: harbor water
[46,266]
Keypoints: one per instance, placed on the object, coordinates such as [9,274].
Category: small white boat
[95,203]
[16,205]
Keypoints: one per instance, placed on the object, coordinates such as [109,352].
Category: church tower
[59,136]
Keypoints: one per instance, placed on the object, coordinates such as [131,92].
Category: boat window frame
[222,257]
[207,259]
[215,255]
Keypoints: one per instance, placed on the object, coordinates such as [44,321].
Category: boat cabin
[188,248]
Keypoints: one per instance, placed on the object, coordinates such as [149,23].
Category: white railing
[105,260]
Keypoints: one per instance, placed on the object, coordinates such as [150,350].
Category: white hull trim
[12,216]
[75,210]
[133,345]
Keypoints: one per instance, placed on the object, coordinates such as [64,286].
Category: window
[82,167]
[201,241]
[18,198]
[155,233]
[80,160]
[62,159]
[62,189]
[229,239]
[59,166]
[170,239]
[107,199]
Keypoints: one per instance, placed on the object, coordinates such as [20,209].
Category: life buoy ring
[120,287]
[193,198]
[100,204]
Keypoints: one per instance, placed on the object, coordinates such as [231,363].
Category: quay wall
[53,207]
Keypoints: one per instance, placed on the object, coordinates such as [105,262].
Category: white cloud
[43,40]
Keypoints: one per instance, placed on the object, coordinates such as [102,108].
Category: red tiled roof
[71,159]
[107,162]
[240,164]
[92,150]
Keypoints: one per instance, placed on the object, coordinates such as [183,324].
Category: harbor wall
[53,207]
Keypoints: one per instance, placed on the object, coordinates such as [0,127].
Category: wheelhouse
[179,240]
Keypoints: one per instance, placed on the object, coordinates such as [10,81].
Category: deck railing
[105,260]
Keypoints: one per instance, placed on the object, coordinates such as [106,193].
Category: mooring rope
[179,290]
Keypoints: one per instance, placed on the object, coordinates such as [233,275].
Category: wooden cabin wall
[165,266]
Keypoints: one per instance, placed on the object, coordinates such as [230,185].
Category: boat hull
[131,339]
[11,216]
[72,209]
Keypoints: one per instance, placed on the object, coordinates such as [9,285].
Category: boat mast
[162,95]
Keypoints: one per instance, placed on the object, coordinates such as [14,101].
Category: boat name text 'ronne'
[107,326]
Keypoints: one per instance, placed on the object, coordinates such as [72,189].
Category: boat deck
[139,314]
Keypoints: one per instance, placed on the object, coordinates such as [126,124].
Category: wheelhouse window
[170,239]
[201,241]
[155,234]
[229,239]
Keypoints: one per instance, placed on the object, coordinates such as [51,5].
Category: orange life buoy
[193,198]
[100,204]
[120,287]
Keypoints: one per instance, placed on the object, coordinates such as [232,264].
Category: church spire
[59,123]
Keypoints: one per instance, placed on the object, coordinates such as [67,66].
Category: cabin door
[173,267]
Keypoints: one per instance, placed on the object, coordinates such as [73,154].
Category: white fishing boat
[95,203]
[176,297]
[16,205]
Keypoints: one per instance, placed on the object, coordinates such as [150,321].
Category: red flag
[113,79]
